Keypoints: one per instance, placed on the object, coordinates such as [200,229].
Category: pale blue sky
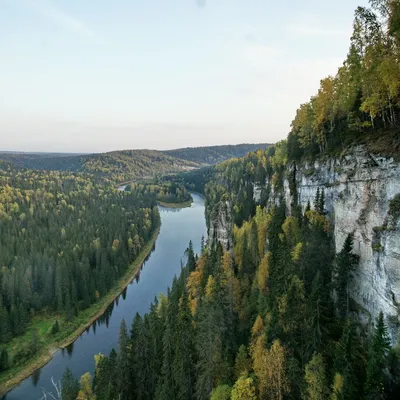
[100,75]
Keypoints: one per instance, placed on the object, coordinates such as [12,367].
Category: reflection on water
[70,349]
[179,226]
[36,377]
[170,209]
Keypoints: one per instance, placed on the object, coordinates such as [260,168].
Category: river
[178,227]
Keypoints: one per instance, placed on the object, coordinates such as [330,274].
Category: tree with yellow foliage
[244,389]
[86,392]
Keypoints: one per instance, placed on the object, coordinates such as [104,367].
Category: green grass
[69,330]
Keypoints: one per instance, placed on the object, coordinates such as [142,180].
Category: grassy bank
[69,330]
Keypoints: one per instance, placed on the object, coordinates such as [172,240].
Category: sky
[101,75]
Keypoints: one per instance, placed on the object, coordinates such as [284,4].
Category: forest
[65,240]
[167,190]
[361,102]
[271,317]
[210,155]
[253,323]
[128,165]
[116,166]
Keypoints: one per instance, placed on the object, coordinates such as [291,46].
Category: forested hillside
[361,102]
[65,240]
[254,322]
[270,316]
[210,155]
[127,165]
[166,191]
[118,166]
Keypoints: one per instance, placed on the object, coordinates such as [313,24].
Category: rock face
[221,225]
[358,189]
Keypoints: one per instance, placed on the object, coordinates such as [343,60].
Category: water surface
[179,226]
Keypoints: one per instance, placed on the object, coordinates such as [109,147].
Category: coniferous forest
[255,322]
[65,240]
[269,316]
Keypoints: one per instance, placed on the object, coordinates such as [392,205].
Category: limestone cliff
[221,224]
[359,188]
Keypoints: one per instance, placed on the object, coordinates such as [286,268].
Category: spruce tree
[123,361]
[69,386]
[349,363]
[346,263]
[377,361]
[5,325]
[317,200]
[3,360]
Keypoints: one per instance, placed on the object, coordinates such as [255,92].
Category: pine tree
[306,210]
[317,200]
[138,360]
[346,263]
[5,325]
[123,361]
[377,361]
[3,360]
[69,386]
[321,202]
[211,366]
[349,363]
[183,366]
[55,328]
[242,362]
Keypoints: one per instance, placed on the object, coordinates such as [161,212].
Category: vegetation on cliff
[361,102]
[271,317]
[258,320]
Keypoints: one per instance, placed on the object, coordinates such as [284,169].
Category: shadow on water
[172,210]
[36,377]
[70,349]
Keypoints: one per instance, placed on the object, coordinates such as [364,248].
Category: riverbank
[70,331]
[175,205]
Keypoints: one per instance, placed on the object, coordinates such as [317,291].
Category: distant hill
[119,166]
[126,165]
[209,155]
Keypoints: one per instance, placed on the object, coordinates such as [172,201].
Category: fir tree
[345,265]
[317,200]
[349,363]
[377,361]
[3,360]
[69,386]
[321,202]
[123,361]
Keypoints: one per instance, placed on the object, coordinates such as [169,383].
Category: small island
[167,191]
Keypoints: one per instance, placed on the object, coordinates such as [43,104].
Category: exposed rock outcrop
[358,190]
[221,224]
